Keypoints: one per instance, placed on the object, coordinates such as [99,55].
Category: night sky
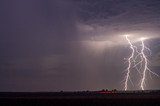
[71,45]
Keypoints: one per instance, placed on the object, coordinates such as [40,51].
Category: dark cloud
[34,27]
[31,32]
[53,45]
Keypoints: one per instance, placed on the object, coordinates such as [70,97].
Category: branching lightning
[138,61]
[129,63]
[145,64]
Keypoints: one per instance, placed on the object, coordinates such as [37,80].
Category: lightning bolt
[139,61]
[145,64]
[129,63]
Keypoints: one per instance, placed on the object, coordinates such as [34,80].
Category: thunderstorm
[138,60]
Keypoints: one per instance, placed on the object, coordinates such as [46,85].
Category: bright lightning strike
[137,60]
[145,64]
[129,63]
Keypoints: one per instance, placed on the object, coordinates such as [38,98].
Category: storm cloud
[53,45]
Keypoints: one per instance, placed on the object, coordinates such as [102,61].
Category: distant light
[126,35]
[143,38]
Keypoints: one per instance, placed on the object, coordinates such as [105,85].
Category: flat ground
[97,98]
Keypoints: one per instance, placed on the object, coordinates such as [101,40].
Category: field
[87,98]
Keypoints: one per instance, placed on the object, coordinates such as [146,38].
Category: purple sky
[70,45]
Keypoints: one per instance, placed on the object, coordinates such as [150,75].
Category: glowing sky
[53,45]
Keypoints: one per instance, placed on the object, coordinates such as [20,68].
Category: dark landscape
[79,52]
[111,98]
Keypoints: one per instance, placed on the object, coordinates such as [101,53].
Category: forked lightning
[141,64]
